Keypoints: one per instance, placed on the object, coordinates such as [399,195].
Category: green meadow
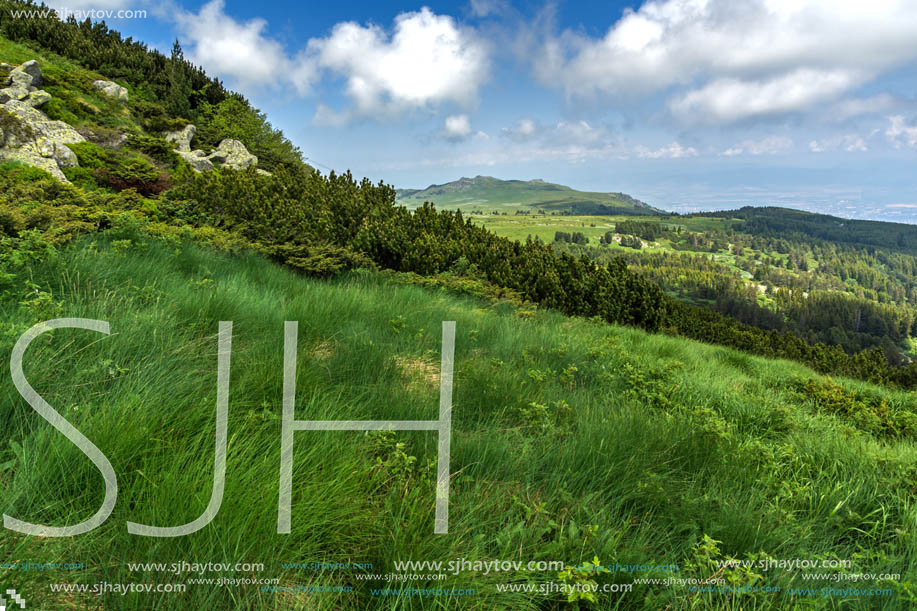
[572,441]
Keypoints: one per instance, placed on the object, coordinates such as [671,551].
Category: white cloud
[673,150]
[426,61]
[241,51]
[899,132]
[523,130]
[730,100]
[854,107]
[456,128]
[850,143]
[766,146]
[728,61]
[486,8]
[563,133]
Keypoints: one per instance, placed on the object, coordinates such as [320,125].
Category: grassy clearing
[571,440]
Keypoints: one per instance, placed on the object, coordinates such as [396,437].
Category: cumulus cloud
[725,61]
[766,146]
[850,143]
[242,51]
[900,133]
[427,60]
[673,150]
[457,128]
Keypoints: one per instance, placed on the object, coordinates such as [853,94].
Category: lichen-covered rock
[263,172]
[198,160]
[182,138]
[38,98]
[29,68]
[13,93]
[20,82]
[233,154]
[33,139]
[112,90]
[230,154]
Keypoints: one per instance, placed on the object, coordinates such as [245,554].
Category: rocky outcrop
[233,154]
[230,154]
[21,82]
[198,160]
[27,134]
[112,90]
[182,138]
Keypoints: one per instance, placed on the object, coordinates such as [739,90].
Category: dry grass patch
[420,375]
[322,351]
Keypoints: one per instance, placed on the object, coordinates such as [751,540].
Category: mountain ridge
[487,192]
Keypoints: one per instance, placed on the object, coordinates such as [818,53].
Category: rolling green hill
[487,194]
[571,440]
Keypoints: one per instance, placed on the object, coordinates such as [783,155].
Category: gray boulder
[20,82]
[31,69]
[112,90]
[38,98]
[13,93]
[37,141]
[233,154]
[197,159]
[230,154]
[182,138]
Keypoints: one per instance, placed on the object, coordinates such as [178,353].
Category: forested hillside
[843,293]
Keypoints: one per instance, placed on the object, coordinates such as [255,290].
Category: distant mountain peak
[486,193]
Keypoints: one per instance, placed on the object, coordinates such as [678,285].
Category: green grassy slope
[571,440]
[486,193]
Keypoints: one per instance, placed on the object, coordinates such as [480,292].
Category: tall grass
[570,440]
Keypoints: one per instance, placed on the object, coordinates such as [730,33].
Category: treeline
[577,237]
[647,230]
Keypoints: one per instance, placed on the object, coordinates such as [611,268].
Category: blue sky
[685,104]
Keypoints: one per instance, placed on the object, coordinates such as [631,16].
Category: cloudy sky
[685,104]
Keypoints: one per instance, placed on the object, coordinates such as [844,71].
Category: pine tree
[178,101]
